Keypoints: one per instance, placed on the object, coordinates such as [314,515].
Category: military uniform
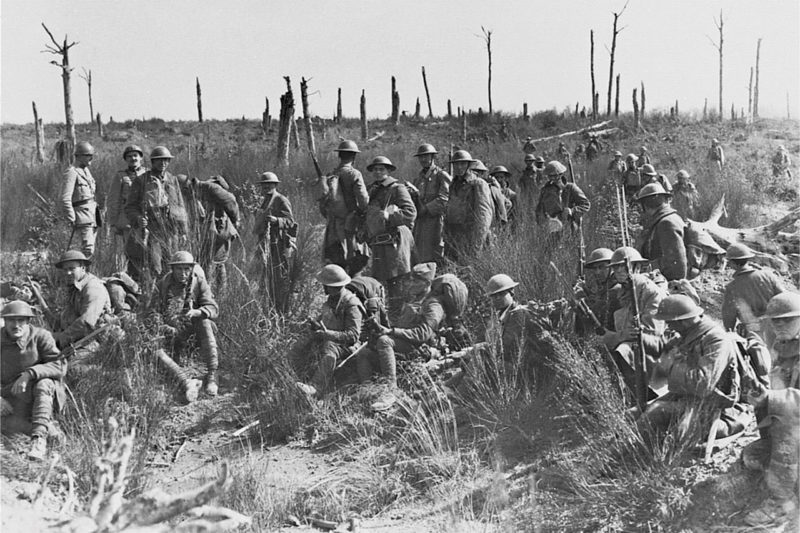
[372,295]
[117,198]
[276,255]
[685,198]
[661,242]
[433,184]
[87,308]
[632,181]
[716,156]
[221,212]
[528,183]
[555,198]
[469,214]
[390,240]
[616,168]
[77,204]
[342,208]
[781,163]
[753,285]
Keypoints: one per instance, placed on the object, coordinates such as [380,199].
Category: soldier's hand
[142,222]
[194,313]
[610,339]
[272,220]
[5,407]
[21,384]
[321,335]
[567,213]
[757,396]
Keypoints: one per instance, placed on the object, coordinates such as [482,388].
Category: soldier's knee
[384,342]
[44,386]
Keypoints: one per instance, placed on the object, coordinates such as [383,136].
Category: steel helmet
[17,309]
[499,169]
[381,160]
[648,170]
[269,177]
[631,157]
[478,165]
[348,146]
[461,156]
[624,253]
[426,271]
[784,305]
[554,168]
[72,255]
[683,174]
[333,276]
[677,307]
[132,148]
[738,250]
[499,283]
[540,159]
[617,154]
[160,152]
[425,149]
[714,141]
[529,157]
[182,258]
[643,148]
[652,189]
[84,148]
[598,256]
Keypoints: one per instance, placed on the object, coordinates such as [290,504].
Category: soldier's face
[460,167]
[83,161]
[502,300]
[74,271]
[159,165]
[620,273]
[680,326]
[379,172]
[134,160]
[786,328]
[598,274]
[16,326]
[181,273]
[269,188]
[425,160]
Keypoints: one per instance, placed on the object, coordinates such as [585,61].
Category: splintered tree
[39,128]
[62,49]
[285,125]
[755,87]
[395,103]
[591,70]
[87,75]
[612,54]
[718,46]
[307,116]
[199,101]
[487,37]
[427,93]
[363,108]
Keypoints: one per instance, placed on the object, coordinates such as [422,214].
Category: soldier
[500,203]
[276,231]
[372,295]
[32,371]
[631,179]
[529,146]
[417,326]
[560,203]
[117,198]
[469,211]
[528,181]
[699,360]
[716,156]
[748,293]
[158,218]
[649,175]
[343,203]
[433,186]
[661,240]
[333,336]
[502,177]
[87,308]
[596,289]
[562,154]
[593,148]
[124,294]
[185,307]
[684,195]
[390,217]
[702,252]
[616,168]
[77,202]
[781,163]
[644,157]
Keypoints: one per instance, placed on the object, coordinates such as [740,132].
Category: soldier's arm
[673,263]
[360,191]
[427,330]
[283,213]
[204,299]
[65,196]
[407,212]
[93,304]
[698,378]
[483,209]
[133,205]
[353,320]
[438,205]
[581,203]
[51,363]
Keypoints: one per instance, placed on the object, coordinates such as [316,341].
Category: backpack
[132,291]
[335,203]
[452,293]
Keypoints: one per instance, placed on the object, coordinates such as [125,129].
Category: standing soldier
[343,204]
[158,218]
[661,240]
[118,196]
[562,153]
[433,184]
[560,203]
[186,308]
[596,289]
[390,217]
[644,157]
[77,202]
[649,175]
[716,156]
[781,163]
[593,148]
[220,220]
[616,168]
[528,182]
[276,232]
[684,195]
[469,211]
[631,179]
[502,177]
[500,203]
[529,146]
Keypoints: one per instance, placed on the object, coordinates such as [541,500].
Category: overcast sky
[145,54]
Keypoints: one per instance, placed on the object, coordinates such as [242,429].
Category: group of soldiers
[637,299]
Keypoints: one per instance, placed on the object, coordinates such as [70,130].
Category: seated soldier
[32,371]
[184,305]
[702,252]
[418,325]
[372,295]
[596,290]
[124,294]
[335,333]
[700,362]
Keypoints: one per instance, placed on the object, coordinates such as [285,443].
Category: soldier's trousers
[36,405]
[84,236]
[318,360]
[204,332]
[120,256]
[381,355]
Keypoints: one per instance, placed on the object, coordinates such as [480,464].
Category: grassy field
[560,457]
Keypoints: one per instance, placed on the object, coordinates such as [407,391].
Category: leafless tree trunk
[676,109]
[718,46]
[487,37]
[416,109]
[395,103]
[339,106]
[199,101]
[87,75]
[525,116]
[756,88]
[266,120]
[616,100]
[750,97]
[643,102]
[614,34]
[295,133]
[307,116]
[596,103]
[705,109]
[99,126]
[733,113]
[63,51]
[449,109]
[427,93]
[285,126]
[364,129]
[635,110]
[463,126]
[39,129]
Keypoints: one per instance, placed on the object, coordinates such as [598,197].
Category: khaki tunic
[434,192]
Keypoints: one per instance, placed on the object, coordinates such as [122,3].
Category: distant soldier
[560,203]
[529,180]
[333,336]
[343,204]
[529,146]
[596,289]
[469,211]
[781,163]
[185,308]
[390,217]
[117,198]
[500,203]
[631,179]
[748,293]
[684,195]
[32,372]
[502,177]
[220,218]
[433,192]
[593,148]
[562,154]
[616,167]
[158,218]
[716,156]
[644,157]
[276,231]
[661,240]
[580,151]
[77,203]
[649,175]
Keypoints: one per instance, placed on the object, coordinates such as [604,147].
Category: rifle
[580,303]
[320,175]
[639,367]
[582,243]
[48,313]
[450,360]
[69,351]
[360,348]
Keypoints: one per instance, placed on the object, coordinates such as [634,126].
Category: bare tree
[285,125]
[756,88]
[591,69]
[718,46]
[616,100]
[363,107]
[199,101]
[750,97]
[612,53]
[87,75]
[487,37]
[39,128]
[427,93]
[642,96]
[339,107]
[66,71]
[307,116]
[635,110]
[395,103]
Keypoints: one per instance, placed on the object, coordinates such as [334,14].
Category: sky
[145,55]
